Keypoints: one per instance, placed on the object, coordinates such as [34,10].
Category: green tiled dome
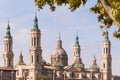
[78,65]
[94,67]
[57,64]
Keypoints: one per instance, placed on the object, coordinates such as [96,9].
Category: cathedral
[58,69]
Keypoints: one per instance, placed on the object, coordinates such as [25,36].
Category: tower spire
[77,41]
[59,36]
[8,34]
[94,60]
[35,22]
[59,42]
[106,37]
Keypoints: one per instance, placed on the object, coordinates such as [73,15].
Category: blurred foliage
[103,17]
[73,4]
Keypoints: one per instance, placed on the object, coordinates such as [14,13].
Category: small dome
[94,68]
[94,65]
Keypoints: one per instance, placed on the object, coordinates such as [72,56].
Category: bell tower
[35,51]
[77,61]
[106,58]
[8,53]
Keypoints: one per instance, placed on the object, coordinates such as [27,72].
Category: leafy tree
[73,4]
[108,10]
[108,13]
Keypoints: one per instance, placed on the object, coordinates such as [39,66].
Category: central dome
[59,52]
[59,55]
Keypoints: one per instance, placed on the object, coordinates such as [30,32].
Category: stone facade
[7,73]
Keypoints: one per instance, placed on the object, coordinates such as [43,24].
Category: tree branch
[108,8]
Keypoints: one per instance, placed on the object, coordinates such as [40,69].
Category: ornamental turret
[21,62]
[94,67]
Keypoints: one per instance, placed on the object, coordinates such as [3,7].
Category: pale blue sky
[21,15]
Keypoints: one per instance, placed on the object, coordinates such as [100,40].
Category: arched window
[32,58]
[34,41]
[103,65]
[9,47]
[106,50]
[38,42]
[109,64]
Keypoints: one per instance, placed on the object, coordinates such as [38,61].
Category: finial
[94,60]
[105,33]
[59,36]
[35,17]
[8,35]
[77,41]
[8,27]
[8,21]
[77,33]
[77,38]
[94,56]
[20,52]
[106,38]
[59,42]
[35,27]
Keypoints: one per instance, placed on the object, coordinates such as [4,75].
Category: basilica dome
[59,55]
[60,52]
